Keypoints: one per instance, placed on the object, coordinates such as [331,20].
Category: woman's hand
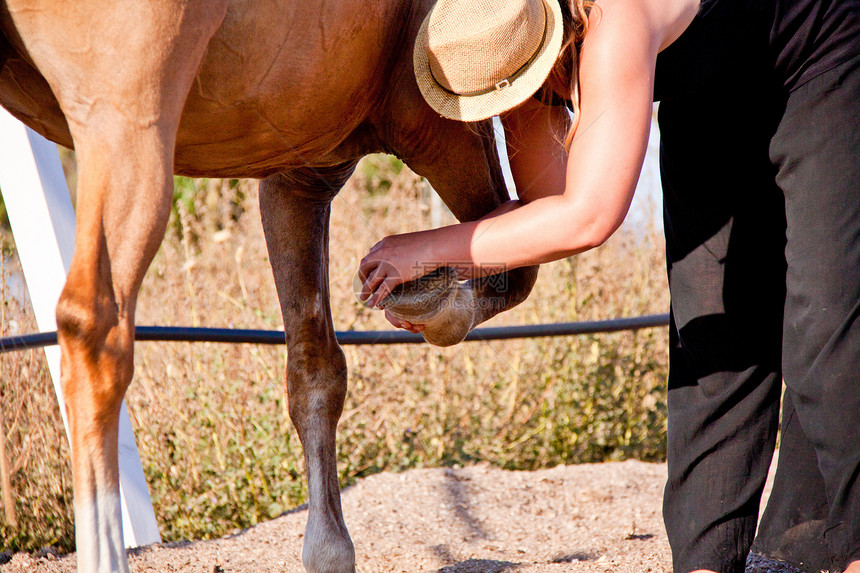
[398,259]
[401,258]
[394,260]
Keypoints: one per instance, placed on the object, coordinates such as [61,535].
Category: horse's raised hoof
[440,302]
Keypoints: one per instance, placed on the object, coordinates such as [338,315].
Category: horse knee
[316,383]
[81,317]
[97,344]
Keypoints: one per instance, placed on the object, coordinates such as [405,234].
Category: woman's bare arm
[617,71]
[616,77]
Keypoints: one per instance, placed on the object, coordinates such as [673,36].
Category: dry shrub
[35,447]
[216,443]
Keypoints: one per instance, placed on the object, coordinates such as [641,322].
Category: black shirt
[793,41]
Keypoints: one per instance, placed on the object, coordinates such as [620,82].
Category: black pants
[762,218]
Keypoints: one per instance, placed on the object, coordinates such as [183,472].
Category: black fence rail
[234,336]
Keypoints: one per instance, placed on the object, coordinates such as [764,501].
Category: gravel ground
[586,518]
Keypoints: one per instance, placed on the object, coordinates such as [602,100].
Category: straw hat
[477,58]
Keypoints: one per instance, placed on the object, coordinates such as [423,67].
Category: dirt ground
[586,518]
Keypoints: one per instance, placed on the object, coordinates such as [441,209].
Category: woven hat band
[505,82]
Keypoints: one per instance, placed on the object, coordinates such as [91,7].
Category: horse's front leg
[295,212]
[95,323]
[121,71]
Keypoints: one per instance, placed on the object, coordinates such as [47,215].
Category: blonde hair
[564,76]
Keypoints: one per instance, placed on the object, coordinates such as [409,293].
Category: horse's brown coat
[293,93]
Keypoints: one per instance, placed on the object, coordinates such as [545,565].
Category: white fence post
[502,150]
[43,223]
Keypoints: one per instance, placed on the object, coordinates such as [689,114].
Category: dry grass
[32,438]
[211,421]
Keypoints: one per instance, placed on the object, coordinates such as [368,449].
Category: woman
[760,159]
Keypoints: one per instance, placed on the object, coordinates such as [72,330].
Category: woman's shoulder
[676,16]
[667,18]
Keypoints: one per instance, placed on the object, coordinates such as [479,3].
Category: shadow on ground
[480,566]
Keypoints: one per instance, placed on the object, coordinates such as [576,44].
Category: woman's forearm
[544,230]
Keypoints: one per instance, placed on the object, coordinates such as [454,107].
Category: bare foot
[853,567]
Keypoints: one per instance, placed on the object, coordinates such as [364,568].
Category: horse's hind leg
[121,71]
[295,211]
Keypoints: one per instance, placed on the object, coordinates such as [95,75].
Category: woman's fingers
[383,288]
[373,273]
[371,284]
[366,266]
[404,324]
[386,266]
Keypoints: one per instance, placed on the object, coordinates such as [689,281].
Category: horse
[290,93]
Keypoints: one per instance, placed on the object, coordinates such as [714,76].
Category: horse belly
[282,84]
[24,91]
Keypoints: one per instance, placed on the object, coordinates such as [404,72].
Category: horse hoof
[455,320]
[422,299]
[439,302]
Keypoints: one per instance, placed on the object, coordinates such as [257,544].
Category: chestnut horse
[291,93]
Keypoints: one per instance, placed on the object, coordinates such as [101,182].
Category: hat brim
[483,106]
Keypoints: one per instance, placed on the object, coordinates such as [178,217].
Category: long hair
[564,77]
